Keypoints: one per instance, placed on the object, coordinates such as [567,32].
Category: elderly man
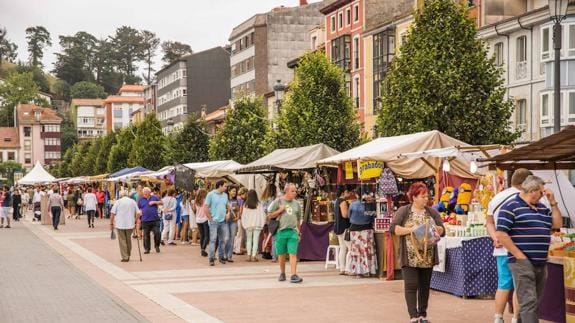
[289,212]
[524,229]
[148,205]
[125,214]
[217,202]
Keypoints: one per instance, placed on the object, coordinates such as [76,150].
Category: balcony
[344,64]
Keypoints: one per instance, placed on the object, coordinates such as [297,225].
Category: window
[27,158]
[117,125]
[51,128]
[521,112]
[545,109]
[341,52]
[545,43]
[314,42]
[27,131]
[356,90]
[356,12]
[383,53]
[11,155]
[347,17]
[521,49]
[340,20]
[52,142]
[498,54]
[332,23]
[52,155]
[27,144]
[184,73]
[356,52]
[184,92]
[118,113]
[571,41]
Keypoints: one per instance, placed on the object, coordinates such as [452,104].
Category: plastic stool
[335,260]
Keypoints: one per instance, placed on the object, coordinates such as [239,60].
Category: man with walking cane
[124,212]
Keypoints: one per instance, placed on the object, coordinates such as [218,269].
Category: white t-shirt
[90,202]
[125,210]
[497,202]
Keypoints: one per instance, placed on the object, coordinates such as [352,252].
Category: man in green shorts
[287,238]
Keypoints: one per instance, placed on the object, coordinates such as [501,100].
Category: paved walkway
[39,285]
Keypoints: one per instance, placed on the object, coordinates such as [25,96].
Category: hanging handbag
[387,183]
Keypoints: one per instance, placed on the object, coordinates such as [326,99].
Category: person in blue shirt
[524,229]
[148,206]
[217,209]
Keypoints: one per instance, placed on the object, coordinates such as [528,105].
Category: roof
[26,114]
[127,171]
[37,175]
[131,88]
[289,158]
[124,99]
[555,151]
[88,102]
[186,57]
[388,149]
[334,6]
[255,21]
[216,115]
[9,133]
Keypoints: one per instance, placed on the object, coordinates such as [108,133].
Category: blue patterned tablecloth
[470,270]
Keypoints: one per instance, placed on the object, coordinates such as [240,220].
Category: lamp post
[557,13]
[279,90]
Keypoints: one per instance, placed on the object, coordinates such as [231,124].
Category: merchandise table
[470,270]
[314,241]
[552,305]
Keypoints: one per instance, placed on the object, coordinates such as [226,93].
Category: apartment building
[89,117]
[119,108]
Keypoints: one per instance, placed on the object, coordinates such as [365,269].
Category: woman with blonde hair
[199,209]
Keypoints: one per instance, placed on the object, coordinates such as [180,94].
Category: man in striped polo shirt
[524,228]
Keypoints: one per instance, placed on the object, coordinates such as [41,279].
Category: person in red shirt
[100,197]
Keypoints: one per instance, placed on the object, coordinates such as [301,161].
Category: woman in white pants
[341,213]
[253,220]
[169,217]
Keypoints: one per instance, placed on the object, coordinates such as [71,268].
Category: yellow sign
[369,169]
[348,170]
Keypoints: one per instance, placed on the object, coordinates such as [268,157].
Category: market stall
[38,175]
[553,154]
[378,163]
[227,169]
[297,165]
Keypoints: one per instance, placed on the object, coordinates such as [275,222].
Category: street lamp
[279,90]
[557,13]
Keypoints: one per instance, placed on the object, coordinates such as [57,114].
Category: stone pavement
[38,285]
[178,285]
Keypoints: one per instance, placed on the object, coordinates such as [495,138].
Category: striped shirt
[529,228]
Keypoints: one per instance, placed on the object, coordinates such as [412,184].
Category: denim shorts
[185,218]
[504,277]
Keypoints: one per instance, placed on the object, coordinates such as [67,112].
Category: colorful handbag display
[387,183]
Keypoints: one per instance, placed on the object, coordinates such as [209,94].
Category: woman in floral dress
[361,260]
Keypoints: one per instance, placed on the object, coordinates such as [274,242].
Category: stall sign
[369,169]
[348,170]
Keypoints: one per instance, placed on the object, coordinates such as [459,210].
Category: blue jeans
[219,233]
[56,210]
[232,231]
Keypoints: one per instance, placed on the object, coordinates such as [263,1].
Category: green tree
[8,50]
[317,108]
[67,161]
[104,66]
[89,160]
[128,50]
[87,90]
[148,146]
[8,168]
[120,151]
[38,39]
[173,50]
[443,80]
[37,75]
[18,88]
[245,134]
[191,144]
[76,61]
[102,158]
[69,135]
[150,42]
[62,89]
[76,167]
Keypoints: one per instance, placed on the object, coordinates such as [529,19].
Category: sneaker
[147,252]
[157,249]
[8,227]
[295,279]
[162,243]
[498,318]
[222,261]
[212,262]
[172,243]
[282,277]
[229,260]
[204,253]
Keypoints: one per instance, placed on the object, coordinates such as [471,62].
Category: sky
[201,24]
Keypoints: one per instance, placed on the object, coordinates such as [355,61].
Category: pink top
[201,216]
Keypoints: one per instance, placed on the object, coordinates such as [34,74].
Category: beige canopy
[289,158]
[389,149]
